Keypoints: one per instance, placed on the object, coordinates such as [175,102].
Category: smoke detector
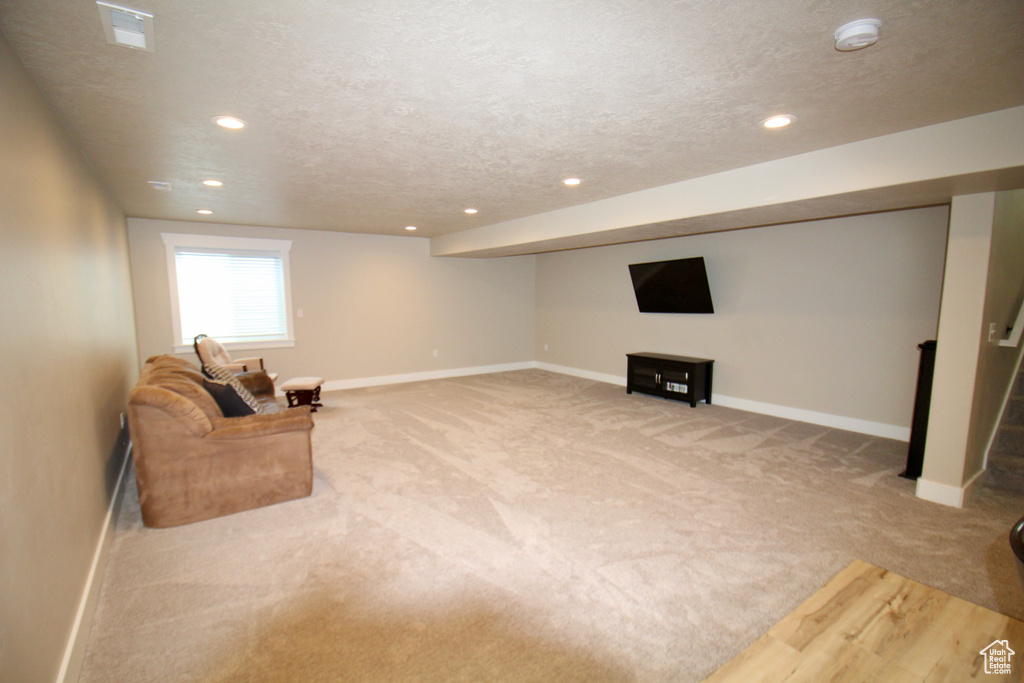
[857,34]
[127,27]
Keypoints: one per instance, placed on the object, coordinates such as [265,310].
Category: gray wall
[823,316]
[69,360]
[373,305]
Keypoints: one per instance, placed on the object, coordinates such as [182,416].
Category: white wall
[68,353]
[373,305]
[822,316]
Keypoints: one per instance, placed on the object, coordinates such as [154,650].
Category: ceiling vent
[127,27]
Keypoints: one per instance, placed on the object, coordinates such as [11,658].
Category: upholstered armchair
[212,352]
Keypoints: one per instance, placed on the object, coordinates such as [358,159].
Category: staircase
[1006,461]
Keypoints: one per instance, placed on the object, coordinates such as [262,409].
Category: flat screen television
[679,286]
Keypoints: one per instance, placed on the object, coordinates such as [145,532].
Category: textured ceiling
[367,116]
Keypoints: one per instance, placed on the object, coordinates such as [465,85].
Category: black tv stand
[679,378]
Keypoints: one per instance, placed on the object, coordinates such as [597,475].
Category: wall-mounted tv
[679,286]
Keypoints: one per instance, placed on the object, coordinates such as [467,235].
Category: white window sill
[242,346]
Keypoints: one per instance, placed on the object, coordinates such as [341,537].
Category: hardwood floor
[868,624]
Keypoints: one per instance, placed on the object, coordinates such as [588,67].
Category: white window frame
[281,248]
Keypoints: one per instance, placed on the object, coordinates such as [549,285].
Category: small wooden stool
[303,391]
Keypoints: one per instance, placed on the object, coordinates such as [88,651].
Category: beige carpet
[529,526]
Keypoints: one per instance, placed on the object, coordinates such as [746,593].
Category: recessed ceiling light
[857,35]
[205,212]
[410,227]
[778,121]
[228,122]
[572,181]
[470,210]
[210,182]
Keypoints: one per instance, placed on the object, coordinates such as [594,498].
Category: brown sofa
[192,463]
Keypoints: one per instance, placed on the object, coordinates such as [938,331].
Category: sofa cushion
[193,391]
[227,398]
[232,397]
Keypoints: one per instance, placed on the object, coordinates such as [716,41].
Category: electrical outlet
[545,347]
[993,333]
[435,353]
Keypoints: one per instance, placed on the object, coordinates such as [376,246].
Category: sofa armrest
[249,426]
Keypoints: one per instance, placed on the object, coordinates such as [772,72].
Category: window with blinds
[232,289]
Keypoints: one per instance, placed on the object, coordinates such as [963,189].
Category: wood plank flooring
[868,624]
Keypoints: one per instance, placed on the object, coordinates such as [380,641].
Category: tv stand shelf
[680,378]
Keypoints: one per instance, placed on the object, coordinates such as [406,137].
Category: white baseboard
[944,494]
[849,424]
[584,374]
[337,384]
[74,652]
[824,419]
[953,496]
